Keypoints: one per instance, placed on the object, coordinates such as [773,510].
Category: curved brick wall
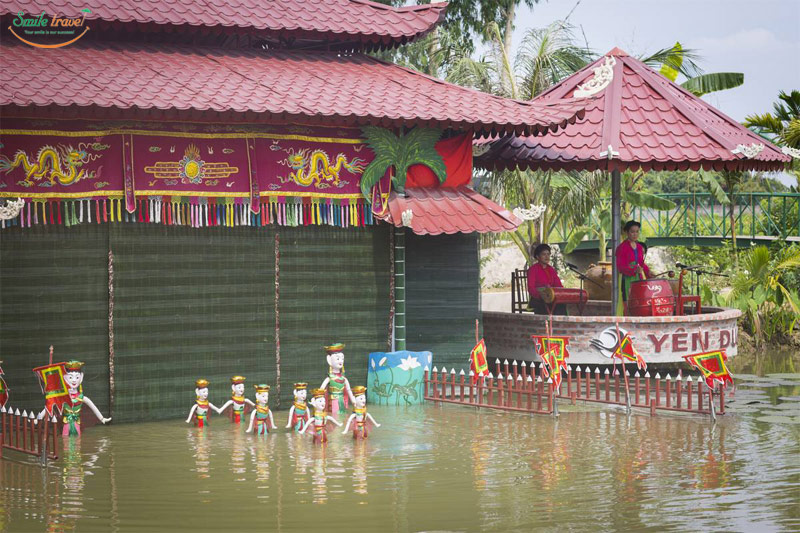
[658,339]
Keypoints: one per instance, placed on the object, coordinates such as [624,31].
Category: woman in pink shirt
[630,259]
[542,274]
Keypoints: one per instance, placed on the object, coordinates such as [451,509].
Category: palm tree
[398,153]
[782,127]
[680,60]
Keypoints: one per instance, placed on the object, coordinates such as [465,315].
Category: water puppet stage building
[210,188]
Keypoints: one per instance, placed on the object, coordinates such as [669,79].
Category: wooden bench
[519,291]
[559,296]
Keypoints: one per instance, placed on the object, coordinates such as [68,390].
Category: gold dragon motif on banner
[55,164]
[314,166]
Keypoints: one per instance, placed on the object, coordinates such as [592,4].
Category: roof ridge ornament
[480,149]
[11,209]
[602,77]
[749,151]
[792,152]
[609,153]
[406,217]
[529,214]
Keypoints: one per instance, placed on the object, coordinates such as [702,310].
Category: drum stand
[583,277]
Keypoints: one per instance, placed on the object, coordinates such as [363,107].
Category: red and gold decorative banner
[712,366]
[544,343]
[554,351]
[627,352]
[290,176]
[551,367]
[51,379]
[477,361]
[3,390]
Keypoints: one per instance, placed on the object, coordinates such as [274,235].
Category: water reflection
[199,444]
[430,468]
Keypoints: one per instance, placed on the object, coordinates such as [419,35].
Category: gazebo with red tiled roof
[635,118]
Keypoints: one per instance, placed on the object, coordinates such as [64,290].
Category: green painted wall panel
[443,296]
[54,290]
[189,303]
[334,287]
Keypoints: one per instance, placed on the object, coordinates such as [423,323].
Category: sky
[760,38]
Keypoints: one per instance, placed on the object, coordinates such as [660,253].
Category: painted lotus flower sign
[397,377]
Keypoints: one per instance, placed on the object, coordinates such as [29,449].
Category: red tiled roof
[340,19]
[653,124]
[282,84]
[445,210]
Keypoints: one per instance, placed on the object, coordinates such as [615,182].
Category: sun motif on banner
[191,168]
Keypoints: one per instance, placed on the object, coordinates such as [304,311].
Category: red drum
[652,297]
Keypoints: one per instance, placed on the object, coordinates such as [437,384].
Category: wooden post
[652,408]
[678,386]
[578,375]
[588,380]
[500,392]
[425,381]
[699,395]
[481,384]
[607,386]
[569,380]
[461,397]
[16,439]
[529,390]
[722,400]
[689,393]
[658,389]
[636,388]
[538,393]
[669,391]
[597,383]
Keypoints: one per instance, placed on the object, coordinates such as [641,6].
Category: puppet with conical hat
[238,400]
[201,404]
[360,414]
[298,412]
[320,417]
[73,379]
[337,385]
[261,418]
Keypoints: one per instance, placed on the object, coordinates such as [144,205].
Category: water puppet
[360,414]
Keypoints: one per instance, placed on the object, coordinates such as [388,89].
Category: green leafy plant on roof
[417,147]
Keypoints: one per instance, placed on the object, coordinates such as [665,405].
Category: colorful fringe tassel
[197,213]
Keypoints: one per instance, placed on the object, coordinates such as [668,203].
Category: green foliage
[782,127]
[668,182]
[399,153]
[765,288]
[715,81]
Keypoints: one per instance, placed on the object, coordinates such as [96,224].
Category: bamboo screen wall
[189,303]
[443,295]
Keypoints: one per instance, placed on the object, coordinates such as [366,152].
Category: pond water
[432,468]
